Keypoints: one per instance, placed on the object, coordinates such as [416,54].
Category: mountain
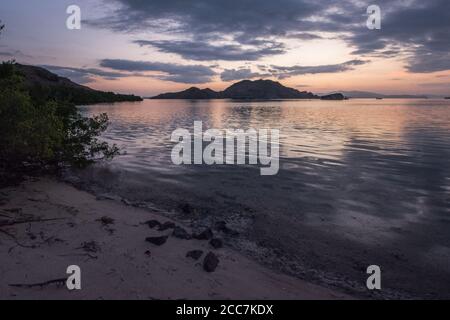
[334,96]
[374,95]
[246,89]
[265,90]
[191,93]
[45,83]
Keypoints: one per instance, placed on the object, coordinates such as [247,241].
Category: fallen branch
[91,256]
[17,241]
[12,223]
[41,285]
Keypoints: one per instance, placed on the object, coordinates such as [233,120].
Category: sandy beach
[47,225]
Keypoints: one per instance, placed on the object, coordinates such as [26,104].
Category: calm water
[361,182]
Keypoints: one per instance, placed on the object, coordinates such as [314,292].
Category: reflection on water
[373,176]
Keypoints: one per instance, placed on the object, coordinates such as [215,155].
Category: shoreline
[107,239]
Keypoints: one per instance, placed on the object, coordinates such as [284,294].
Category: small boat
[448,98]
[379,98]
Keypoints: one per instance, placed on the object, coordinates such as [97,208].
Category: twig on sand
[16,241]
[88,255]
[12,223]
[58,282]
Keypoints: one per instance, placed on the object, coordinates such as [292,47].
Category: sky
[147,47]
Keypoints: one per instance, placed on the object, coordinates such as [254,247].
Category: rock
[204,235]
[153,224]
[222,227]
[186,208]
[107,196]
[166,226]
[148,253]
[106,220]
[211,262]
[195,254]
[14,210]
[126,202]
[180,233]
[157,241]
[91,246]
[216,243]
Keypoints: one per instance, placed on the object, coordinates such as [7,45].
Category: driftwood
[59,282]
[16,222]
[17,241]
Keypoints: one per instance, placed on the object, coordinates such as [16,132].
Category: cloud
[7,54]
[203,51]
[418,29]
[170,71]
[286,72]
[251,18]
[80,75]
[283,72]
[241,74]
[414,30]
[304,36]
[13,54]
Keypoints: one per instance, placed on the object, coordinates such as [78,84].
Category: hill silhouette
[51,86]
[246,89]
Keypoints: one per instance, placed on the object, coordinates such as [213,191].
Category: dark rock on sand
[204,235]
[90,246]
[222,227]
[195,254]
[216,243]
[153,224]
[157,241]
[211,262]
[166,226]
[180,233]
[186,208]
[106,220]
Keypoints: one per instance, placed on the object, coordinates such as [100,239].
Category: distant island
[272,90]
[374,95]
[52,86]
[248,90]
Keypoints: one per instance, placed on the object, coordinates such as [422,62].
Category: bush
[36,130]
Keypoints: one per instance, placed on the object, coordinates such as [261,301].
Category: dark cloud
[203,51]
[250,17]
[286,72]
[7,54]
[416,28]
[170,71]
[283,72]
[251,28]
[304,36]
[241,74]
[13,54]
[81,75]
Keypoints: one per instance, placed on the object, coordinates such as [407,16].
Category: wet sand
[46,225]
